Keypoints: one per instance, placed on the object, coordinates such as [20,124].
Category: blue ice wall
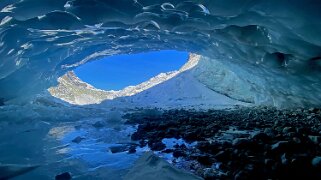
[272,46]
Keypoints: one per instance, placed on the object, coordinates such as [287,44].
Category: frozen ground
[51,146]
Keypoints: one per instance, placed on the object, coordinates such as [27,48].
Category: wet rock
[179,153]
[132,150]
[202,158]
[240,142]
[176,146]
[77,139]
[63,176]
[209,173]
[182,146]
[284,159]
[280,146]
[157,146]
[303,130]
[314,110]
[136,136]
[98,124]
[315,139]
[268,162]
[203,145]
[192,135]
[316,162]
[167,151]
[260,136]
[142,143]
[288,130]
[296,140]
[222,156]
[241,175]
[118,149]
[269,132]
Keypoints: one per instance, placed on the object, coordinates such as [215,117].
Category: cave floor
[244,143]
[240,143]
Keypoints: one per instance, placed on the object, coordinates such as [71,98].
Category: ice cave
[245,105]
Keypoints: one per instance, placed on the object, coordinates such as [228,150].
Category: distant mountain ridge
[74,91]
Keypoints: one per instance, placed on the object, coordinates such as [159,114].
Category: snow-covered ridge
[73,90]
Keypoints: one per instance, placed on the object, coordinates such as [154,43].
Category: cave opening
[150,79]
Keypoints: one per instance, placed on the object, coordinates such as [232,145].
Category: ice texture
[265,52]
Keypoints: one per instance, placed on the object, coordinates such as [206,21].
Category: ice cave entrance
[118,76]
[120,71]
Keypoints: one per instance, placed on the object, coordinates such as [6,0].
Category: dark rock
[269,132]
[303,130]
[300,162]
[241,175]
[78,139]
[118,149]
[142,143]
[222,156]
[281,149]
[316,162]
[157,146]
[284,159]
[240,142]
[63,176]
[98,124]
[168,151]
[209,173]
[202,158]
[290,134]
[288,130]
[280,146]
[203,145]
[191,135]
[182,146]
[136,136]
[132,150]
[176,146]
[314,110]
[268,162]
[296,140]
[260,136]
[179,153]
[315,139]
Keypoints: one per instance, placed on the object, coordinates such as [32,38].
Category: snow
[181,91]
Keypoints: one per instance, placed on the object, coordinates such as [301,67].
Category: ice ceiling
[262,51]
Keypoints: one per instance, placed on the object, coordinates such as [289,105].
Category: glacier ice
[266,52]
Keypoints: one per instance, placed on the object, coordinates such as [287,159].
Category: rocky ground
[244,143]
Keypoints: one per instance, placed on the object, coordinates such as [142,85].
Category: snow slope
[175,89]
[181,91]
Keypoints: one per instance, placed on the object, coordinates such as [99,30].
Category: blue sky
[117,72]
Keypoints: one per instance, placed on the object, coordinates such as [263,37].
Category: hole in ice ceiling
[120,71]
